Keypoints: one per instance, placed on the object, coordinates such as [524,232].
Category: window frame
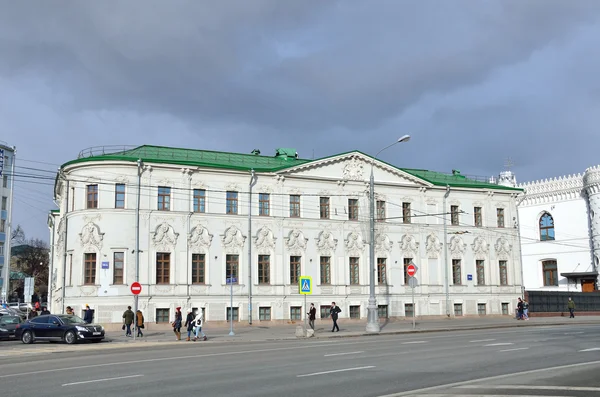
[406,212]
[89,268]
[4,206]
[382,271]
[325,269]
[160,317]
[120,201]
[324,205]
[380,211]
[500,217]
[264,313]
[118,273]
[478,216]
[231,202]
[354,311]
[198,269]
[454,215]
[480,270]
[551,266]
[353,209]
[163,268]
[295,269]
[232,268]
[406,262]
[264,269]
[91,196]
[503,270]
[546,230]
[235,313]
[264,204]
[294,206]
[295,313]
[457,272]
[354,264]
[199,201]
[163,202]
[383,311]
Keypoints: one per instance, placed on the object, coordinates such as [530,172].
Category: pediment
[355,167]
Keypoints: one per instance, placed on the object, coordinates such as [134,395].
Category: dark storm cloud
[472,81]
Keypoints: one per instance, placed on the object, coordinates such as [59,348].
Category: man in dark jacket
[334,311]
[44,311]
[312,314]
[571,307]
[128,320]
[88,317]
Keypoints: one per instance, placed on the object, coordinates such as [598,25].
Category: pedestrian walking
[32,314]
[177,323]
[139,323]
[312,314]
[45,311]
[198,322]
[88,317]
[128,320]
[334,311]
[70,311]
[571,307]
[526,310]
[520,309]
[189,323]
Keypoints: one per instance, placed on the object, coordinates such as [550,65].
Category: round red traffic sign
[411,270]
[136,288]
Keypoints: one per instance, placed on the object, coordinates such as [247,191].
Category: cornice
[562,188]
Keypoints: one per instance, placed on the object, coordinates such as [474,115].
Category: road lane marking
[514,350]
[498,344]
[341,354]
[335,371]
[574,333]
[593,349]
[487,395]
[481,340]
[528,387]
[101,380]
[414,342]
[488,379]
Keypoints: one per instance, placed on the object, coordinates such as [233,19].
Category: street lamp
[372,318]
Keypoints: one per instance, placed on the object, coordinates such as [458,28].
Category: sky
[473,82]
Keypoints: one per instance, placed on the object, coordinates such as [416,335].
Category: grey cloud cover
[472,81]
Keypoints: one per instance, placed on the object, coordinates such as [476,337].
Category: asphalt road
[401,365]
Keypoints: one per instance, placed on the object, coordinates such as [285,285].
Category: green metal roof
[197,158]
[284,158]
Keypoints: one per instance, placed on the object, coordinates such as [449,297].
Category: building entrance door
[587,285]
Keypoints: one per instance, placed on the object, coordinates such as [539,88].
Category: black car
[8,326]
[59,327]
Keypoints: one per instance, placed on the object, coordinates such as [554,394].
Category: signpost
[411,270]
[135,288]
[305,288]
[231,280]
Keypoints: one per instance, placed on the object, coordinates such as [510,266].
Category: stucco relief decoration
[199,238]
[383,243]
[296,242]
[91,237]
[433,246]
[61,235]
[233,239]
[354,170]
[326,244]
[502,247]
[354,243]
[164,237]
[480,247]
[265,189]
[264,240]
[232,187]
[409,245]
[457,247]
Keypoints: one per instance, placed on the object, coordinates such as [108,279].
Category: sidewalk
[351,328]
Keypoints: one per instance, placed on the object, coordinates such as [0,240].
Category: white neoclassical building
[308,218]
[560,232]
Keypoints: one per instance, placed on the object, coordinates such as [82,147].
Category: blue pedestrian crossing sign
[305,285]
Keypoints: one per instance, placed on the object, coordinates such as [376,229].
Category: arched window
[546,227]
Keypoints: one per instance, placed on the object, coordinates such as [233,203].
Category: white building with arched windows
[308,217]
[559,223]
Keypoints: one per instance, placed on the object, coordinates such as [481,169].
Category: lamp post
[372,318]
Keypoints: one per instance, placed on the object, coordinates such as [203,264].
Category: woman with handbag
[139,323]
[177,323]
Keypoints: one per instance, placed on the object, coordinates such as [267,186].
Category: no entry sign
[136,288]
[411,270]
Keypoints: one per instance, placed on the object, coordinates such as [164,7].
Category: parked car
[59,327]
[4,334]
[9,323]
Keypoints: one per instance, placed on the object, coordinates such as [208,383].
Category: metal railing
[104,150]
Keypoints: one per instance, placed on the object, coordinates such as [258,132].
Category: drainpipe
[250,185]
[51,264]
[518,227]
[66,220]
[137,239]
[446,251]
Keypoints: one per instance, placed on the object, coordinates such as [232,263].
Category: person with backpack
[334,311]
[199,321]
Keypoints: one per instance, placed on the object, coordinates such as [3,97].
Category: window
[546,227]
[550,273]
[354,280]
[500,216]
[481,309]
[480,266]
[294,270]
[505,308]
[232,203]
[325,313]
[4,203]
[199,200]
[2,226]
[456,272]
[325,265]
[380,211]
[263,204]
[1,248]
[409,310]
[235,314]
[382,311]
[407,261]
[118,264]
[264,269]
[120,195]
[381,271]
[458,309]
[264,314]
[40,320]
[503,273]
[72,199]
[295,313]
[352,209]
[454,215]
[198,268]
[70,284]
[5,181]
[163,267]
[324,207]
[354,311]
[478,216]
[164,198]
[90,269]
[232,263]
[295,206]
[92,196]
[406,212]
